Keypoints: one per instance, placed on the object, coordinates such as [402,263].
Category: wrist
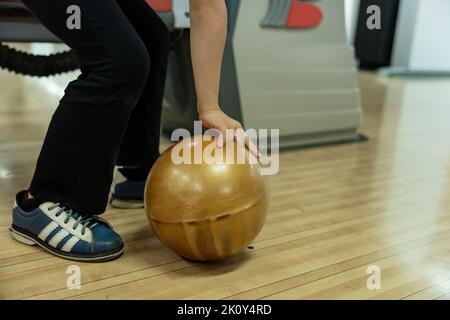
[206,108]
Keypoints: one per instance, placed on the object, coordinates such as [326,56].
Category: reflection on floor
[335,211]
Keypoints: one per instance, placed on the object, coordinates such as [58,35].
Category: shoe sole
[23,237]
[126,204]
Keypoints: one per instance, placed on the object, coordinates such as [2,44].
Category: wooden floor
[334,212]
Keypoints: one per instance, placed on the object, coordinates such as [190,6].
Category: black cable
[36,65]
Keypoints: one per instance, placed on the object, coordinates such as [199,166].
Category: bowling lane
[334,211]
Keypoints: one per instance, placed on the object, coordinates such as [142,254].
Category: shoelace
[69,213]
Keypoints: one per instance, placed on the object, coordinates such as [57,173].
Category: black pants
[111,114]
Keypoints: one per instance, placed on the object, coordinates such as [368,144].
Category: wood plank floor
[334,211]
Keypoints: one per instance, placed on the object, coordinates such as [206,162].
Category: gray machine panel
[303,82]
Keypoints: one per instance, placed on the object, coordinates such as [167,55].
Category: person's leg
[76,163]
[140,147]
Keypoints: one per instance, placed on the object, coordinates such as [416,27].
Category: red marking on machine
[303,15]
[161,5]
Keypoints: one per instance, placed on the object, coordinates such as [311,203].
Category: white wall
[422,41]
[351,19]
[404,35]
[431,46]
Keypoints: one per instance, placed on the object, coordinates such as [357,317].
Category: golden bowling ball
[205,210]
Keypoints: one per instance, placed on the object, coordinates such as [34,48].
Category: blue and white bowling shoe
[65,233]
[127,194]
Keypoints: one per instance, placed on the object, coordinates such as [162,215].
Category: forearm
[208,34]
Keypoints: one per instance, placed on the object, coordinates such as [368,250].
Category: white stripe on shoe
[68,246]
[47,230]
[57,238]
